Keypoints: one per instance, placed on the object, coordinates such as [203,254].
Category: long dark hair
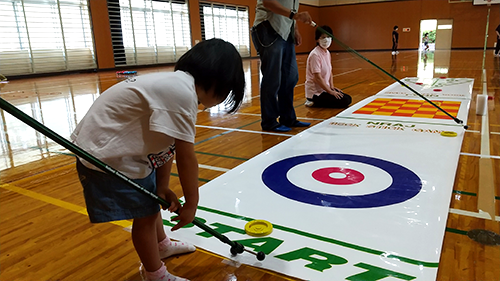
[216,64]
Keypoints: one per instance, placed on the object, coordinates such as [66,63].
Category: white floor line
[245,131]
[495,133]
[256,114]
[471,131]
[336,75]
[486,191]
[485,124]
[212,168]
[250,114]
[480,215]
[347,72]
[479,155]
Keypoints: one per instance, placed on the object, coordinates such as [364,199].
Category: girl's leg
[144,237]
[169,248]
[160,231]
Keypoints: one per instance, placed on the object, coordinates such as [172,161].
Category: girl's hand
[171,198]
[186,216]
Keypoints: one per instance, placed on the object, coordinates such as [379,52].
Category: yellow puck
[448,134]
[258,228]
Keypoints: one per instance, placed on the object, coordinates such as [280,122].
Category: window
[45,36]
[149,31]
[226,22]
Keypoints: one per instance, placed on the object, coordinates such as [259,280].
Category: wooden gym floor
[46,235]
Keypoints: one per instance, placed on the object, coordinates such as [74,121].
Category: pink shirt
[318,61]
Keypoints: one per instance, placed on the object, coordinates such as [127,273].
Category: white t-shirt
[318,61]
[132,125]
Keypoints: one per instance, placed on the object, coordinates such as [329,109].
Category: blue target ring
[405,183]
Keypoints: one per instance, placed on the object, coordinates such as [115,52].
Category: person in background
[275,35]
[426,42]
[320,91]
[395,40]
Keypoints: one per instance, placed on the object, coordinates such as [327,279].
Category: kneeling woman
[320,91]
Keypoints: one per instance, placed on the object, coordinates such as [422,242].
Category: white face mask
[325,42]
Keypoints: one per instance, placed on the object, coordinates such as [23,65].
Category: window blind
[227,22]
[45,36]
[149,31]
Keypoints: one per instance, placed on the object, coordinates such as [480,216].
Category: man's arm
[275,7]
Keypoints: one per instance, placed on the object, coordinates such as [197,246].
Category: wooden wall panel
[369,26]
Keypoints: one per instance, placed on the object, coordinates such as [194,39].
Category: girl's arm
[162,186]
[187,167]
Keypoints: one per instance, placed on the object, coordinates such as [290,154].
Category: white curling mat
[356,197]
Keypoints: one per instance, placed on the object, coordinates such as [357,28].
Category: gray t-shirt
[281,24]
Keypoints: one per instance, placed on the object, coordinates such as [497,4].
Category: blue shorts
[109,198]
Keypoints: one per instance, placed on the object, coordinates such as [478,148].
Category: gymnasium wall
[369,26]
[360,26]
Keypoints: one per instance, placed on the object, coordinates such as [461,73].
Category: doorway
[437,33]
[427,35]
[434,57]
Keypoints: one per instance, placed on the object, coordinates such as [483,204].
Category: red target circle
[350,176]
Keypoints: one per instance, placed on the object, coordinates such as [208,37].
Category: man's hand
[298,37]
[303,17]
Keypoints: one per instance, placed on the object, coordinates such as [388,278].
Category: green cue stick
[458,121]
[235,246]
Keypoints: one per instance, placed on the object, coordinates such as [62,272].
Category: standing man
[275,34]
[395,40]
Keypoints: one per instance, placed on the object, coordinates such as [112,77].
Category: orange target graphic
[410,108]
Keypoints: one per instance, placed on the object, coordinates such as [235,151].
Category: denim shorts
[109,198]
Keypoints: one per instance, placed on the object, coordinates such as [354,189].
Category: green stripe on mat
[327,239]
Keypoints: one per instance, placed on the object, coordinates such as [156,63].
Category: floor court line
[256,114]
[336,75]
[479,215]
[479,155]
[53,201]
[486,192]
[211,167]
[347,72]
[245,131]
